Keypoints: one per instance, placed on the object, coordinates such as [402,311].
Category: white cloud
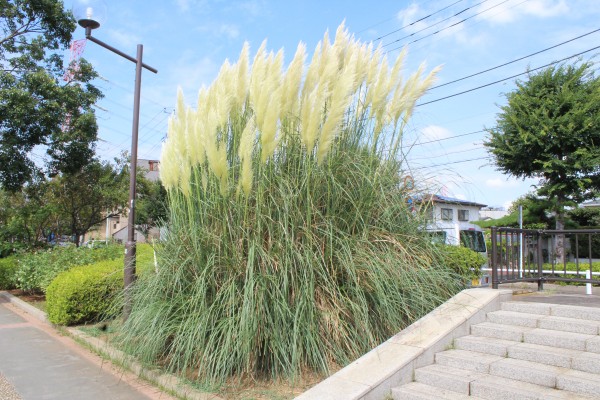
[187,5]
[507,12]
[252,8]
[231,31]
[123,40]
[434,132]
[498,183]
[408,15]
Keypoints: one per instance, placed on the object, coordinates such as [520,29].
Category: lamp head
[89,13]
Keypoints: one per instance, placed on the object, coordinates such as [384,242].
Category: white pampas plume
[291,83]
[245,151]
[338,103]
[268,135]
[242,77]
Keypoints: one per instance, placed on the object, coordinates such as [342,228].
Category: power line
[452,162]
[505,79]
[449,137]
[447,27]
[476,146]
[419,20]
[513,61]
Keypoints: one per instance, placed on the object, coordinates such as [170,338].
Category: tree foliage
[151,204]
[86,198]
[66,205]
[38,107]
[550,129]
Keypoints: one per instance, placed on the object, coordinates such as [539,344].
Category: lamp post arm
[88,35]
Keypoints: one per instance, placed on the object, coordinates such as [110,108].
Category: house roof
[435,198]
[593,203]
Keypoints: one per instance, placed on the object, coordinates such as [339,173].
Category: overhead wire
[430,26]
[421,19]
[506,79]
[515,60]
[449,26]
[451,162]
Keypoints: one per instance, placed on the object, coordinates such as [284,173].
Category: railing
[527,255]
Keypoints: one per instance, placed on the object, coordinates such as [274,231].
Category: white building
[448,209]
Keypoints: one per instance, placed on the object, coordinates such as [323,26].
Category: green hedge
[463,261]
[86,293]
[37,270]
[8,269]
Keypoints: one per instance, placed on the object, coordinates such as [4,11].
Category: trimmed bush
[465,262]
[37,270]
[8,269]
[86,293]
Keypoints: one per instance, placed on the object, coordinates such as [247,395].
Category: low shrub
[37,270]
[8,269]
[86,293]
[463,261]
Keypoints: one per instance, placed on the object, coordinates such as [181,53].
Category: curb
[166,382]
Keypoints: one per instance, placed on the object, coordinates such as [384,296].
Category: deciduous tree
[37,106]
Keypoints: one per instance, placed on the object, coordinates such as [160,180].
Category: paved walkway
[556,294]
[36,363]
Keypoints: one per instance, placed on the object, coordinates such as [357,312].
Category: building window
[446,214]
[463,215]
[114,226]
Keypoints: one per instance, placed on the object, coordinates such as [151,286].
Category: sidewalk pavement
[37,363]
[555,294]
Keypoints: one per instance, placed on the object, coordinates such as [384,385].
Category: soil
[28,297]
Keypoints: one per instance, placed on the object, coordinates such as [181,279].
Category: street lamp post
[89,22]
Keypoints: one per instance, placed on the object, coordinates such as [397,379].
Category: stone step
[574,325]
[514,318]
[557,310]
[419,391]
[500,331]
[468,360]
[579,382]
[527,371]
[498,388]
[482,344]
[544,321]
[555,356]
[565,340]
[447,378]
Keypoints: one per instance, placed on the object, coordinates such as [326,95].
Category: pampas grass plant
[290,242]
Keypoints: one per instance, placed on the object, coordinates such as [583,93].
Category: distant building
[448,209]
[152,168]
[115,226]
[590,204]
[489,213]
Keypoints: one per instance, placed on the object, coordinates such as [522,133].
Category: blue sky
[188,40]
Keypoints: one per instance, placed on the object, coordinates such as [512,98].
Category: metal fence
[527,255]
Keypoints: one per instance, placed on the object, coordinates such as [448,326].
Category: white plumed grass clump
[290,243]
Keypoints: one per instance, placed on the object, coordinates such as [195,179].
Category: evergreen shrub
[8,270]
[464,261]
[86,293]
[36,270]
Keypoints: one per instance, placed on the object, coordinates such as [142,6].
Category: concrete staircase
[524,351]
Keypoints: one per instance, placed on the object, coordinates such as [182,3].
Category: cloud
[252,8]
[123,40]
[231,31]
[507,13]
[434,132]
[187,5]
